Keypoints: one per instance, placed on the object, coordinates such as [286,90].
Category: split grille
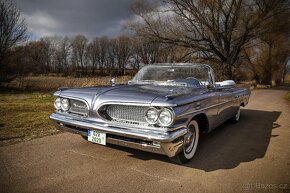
[124,113]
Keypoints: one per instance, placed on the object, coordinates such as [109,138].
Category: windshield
[186,74]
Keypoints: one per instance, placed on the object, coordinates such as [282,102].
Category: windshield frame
[210,79]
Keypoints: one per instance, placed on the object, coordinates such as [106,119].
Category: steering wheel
[194,79]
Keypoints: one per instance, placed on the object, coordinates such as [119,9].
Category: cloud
[41,24]
[71,17]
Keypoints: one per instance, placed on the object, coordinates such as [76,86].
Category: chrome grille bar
[127,113]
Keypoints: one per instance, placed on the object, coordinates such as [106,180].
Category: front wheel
[190,142]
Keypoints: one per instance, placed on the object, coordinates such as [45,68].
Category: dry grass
[50,83]
[288,96]
[287,79]
[24,116]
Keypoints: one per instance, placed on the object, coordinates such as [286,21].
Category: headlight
[65,104]
[57,103]
[151,115]
[165,117]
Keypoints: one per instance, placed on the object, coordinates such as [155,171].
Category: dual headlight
[164,116]
[61,103]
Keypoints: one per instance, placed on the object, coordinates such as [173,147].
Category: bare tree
[215,30]
[93,52]
[12,28]
[51,48]
[267,60]
[63,54]
[104,54]
[79,46]
[121,47]
[148,51]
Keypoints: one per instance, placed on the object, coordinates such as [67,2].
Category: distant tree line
[77,56]
[240,39]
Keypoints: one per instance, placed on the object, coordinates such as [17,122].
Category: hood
[144,94]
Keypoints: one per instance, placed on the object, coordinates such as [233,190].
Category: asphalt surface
[251,156]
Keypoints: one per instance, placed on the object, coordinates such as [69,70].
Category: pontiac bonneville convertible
[164,109]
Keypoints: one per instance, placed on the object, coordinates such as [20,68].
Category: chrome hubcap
[189,139]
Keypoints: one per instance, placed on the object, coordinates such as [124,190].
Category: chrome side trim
[209,107]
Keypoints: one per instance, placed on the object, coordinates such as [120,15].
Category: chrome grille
[78,107]
[125,113]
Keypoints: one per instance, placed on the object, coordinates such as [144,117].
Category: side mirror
[113,81]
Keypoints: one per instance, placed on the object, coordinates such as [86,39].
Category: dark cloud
[70,17]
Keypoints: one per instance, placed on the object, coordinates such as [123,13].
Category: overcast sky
[71,17]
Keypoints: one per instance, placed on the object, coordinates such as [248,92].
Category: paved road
[251,156]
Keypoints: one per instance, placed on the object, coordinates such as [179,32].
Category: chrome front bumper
[167,143]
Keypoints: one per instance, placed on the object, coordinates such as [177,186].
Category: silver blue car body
[119,111]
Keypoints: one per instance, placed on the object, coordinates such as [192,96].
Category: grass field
[24,112]
[24,116]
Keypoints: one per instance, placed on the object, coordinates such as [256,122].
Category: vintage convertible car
[163,109]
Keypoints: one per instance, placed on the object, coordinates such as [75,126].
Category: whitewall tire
[190,143]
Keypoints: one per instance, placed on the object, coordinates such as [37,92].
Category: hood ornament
[113,81]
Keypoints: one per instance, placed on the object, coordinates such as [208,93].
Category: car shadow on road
[230,144]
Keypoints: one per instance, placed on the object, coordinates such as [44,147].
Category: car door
[226,107]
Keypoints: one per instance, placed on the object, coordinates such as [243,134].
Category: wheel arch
[202,121]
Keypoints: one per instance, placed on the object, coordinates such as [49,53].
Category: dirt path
[251,156]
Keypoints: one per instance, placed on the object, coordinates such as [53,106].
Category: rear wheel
[236,118]
[190,143]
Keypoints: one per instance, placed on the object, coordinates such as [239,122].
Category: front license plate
[97,137]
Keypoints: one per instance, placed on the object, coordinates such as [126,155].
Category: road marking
[159,177]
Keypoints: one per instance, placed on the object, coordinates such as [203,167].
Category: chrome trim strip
[209,107]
